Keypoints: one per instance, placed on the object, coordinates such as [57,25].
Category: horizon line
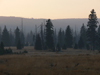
[43,18]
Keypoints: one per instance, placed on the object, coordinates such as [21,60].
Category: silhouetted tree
[60,38]
[38,45]
[83,35]
[80,43]
[17,39]
[68,37]
[19,45]
[49,34]
[5,37]
[91,31]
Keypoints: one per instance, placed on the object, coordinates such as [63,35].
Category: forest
[49,39]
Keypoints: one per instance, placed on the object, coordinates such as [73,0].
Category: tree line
[49,38]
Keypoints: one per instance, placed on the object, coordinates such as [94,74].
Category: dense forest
[48,38]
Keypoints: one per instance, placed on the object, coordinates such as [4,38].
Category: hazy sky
[53,9]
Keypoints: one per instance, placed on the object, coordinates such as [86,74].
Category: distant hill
[29,23]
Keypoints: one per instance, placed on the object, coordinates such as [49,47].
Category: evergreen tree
[38,45]
[17,35]
[91,31]
[80,43]
[17,39]
[5,37]
[49,34]
[19,45]
[68,37]
[83,35]
[60,38]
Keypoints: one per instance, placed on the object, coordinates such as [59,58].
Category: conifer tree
[38,45]
[5,37]
[68,37]
[80,43]
[19,45]
[83,35]
[17,39]
[91,31]
[49,34]
[60,38]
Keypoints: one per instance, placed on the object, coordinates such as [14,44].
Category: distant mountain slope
[29,24]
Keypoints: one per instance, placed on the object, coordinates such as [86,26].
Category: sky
[53,9]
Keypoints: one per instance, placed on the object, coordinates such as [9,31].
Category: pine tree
[49,34]
[68,37]
[38,45]
[80,43]
[17,39]
[5,37]
[60,38]
[83,35]
[19,45]
[91,31]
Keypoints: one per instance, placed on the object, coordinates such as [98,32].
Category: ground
[67,62]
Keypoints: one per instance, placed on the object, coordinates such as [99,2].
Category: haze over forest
[29,23]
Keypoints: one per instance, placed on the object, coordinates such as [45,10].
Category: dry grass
[51,63]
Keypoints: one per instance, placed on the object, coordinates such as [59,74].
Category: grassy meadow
[67,62]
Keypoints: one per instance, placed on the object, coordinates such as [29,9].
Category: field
[67,62]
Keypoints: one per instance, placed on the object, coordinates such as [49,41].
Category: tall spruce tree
[60,40]
[5,37]
[91,31]
[68,37]
[83,36]
[17,38]
[38,45]
[49,35]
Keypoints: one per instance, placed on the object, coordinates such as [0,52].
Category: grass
[45,63]
[50,65]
